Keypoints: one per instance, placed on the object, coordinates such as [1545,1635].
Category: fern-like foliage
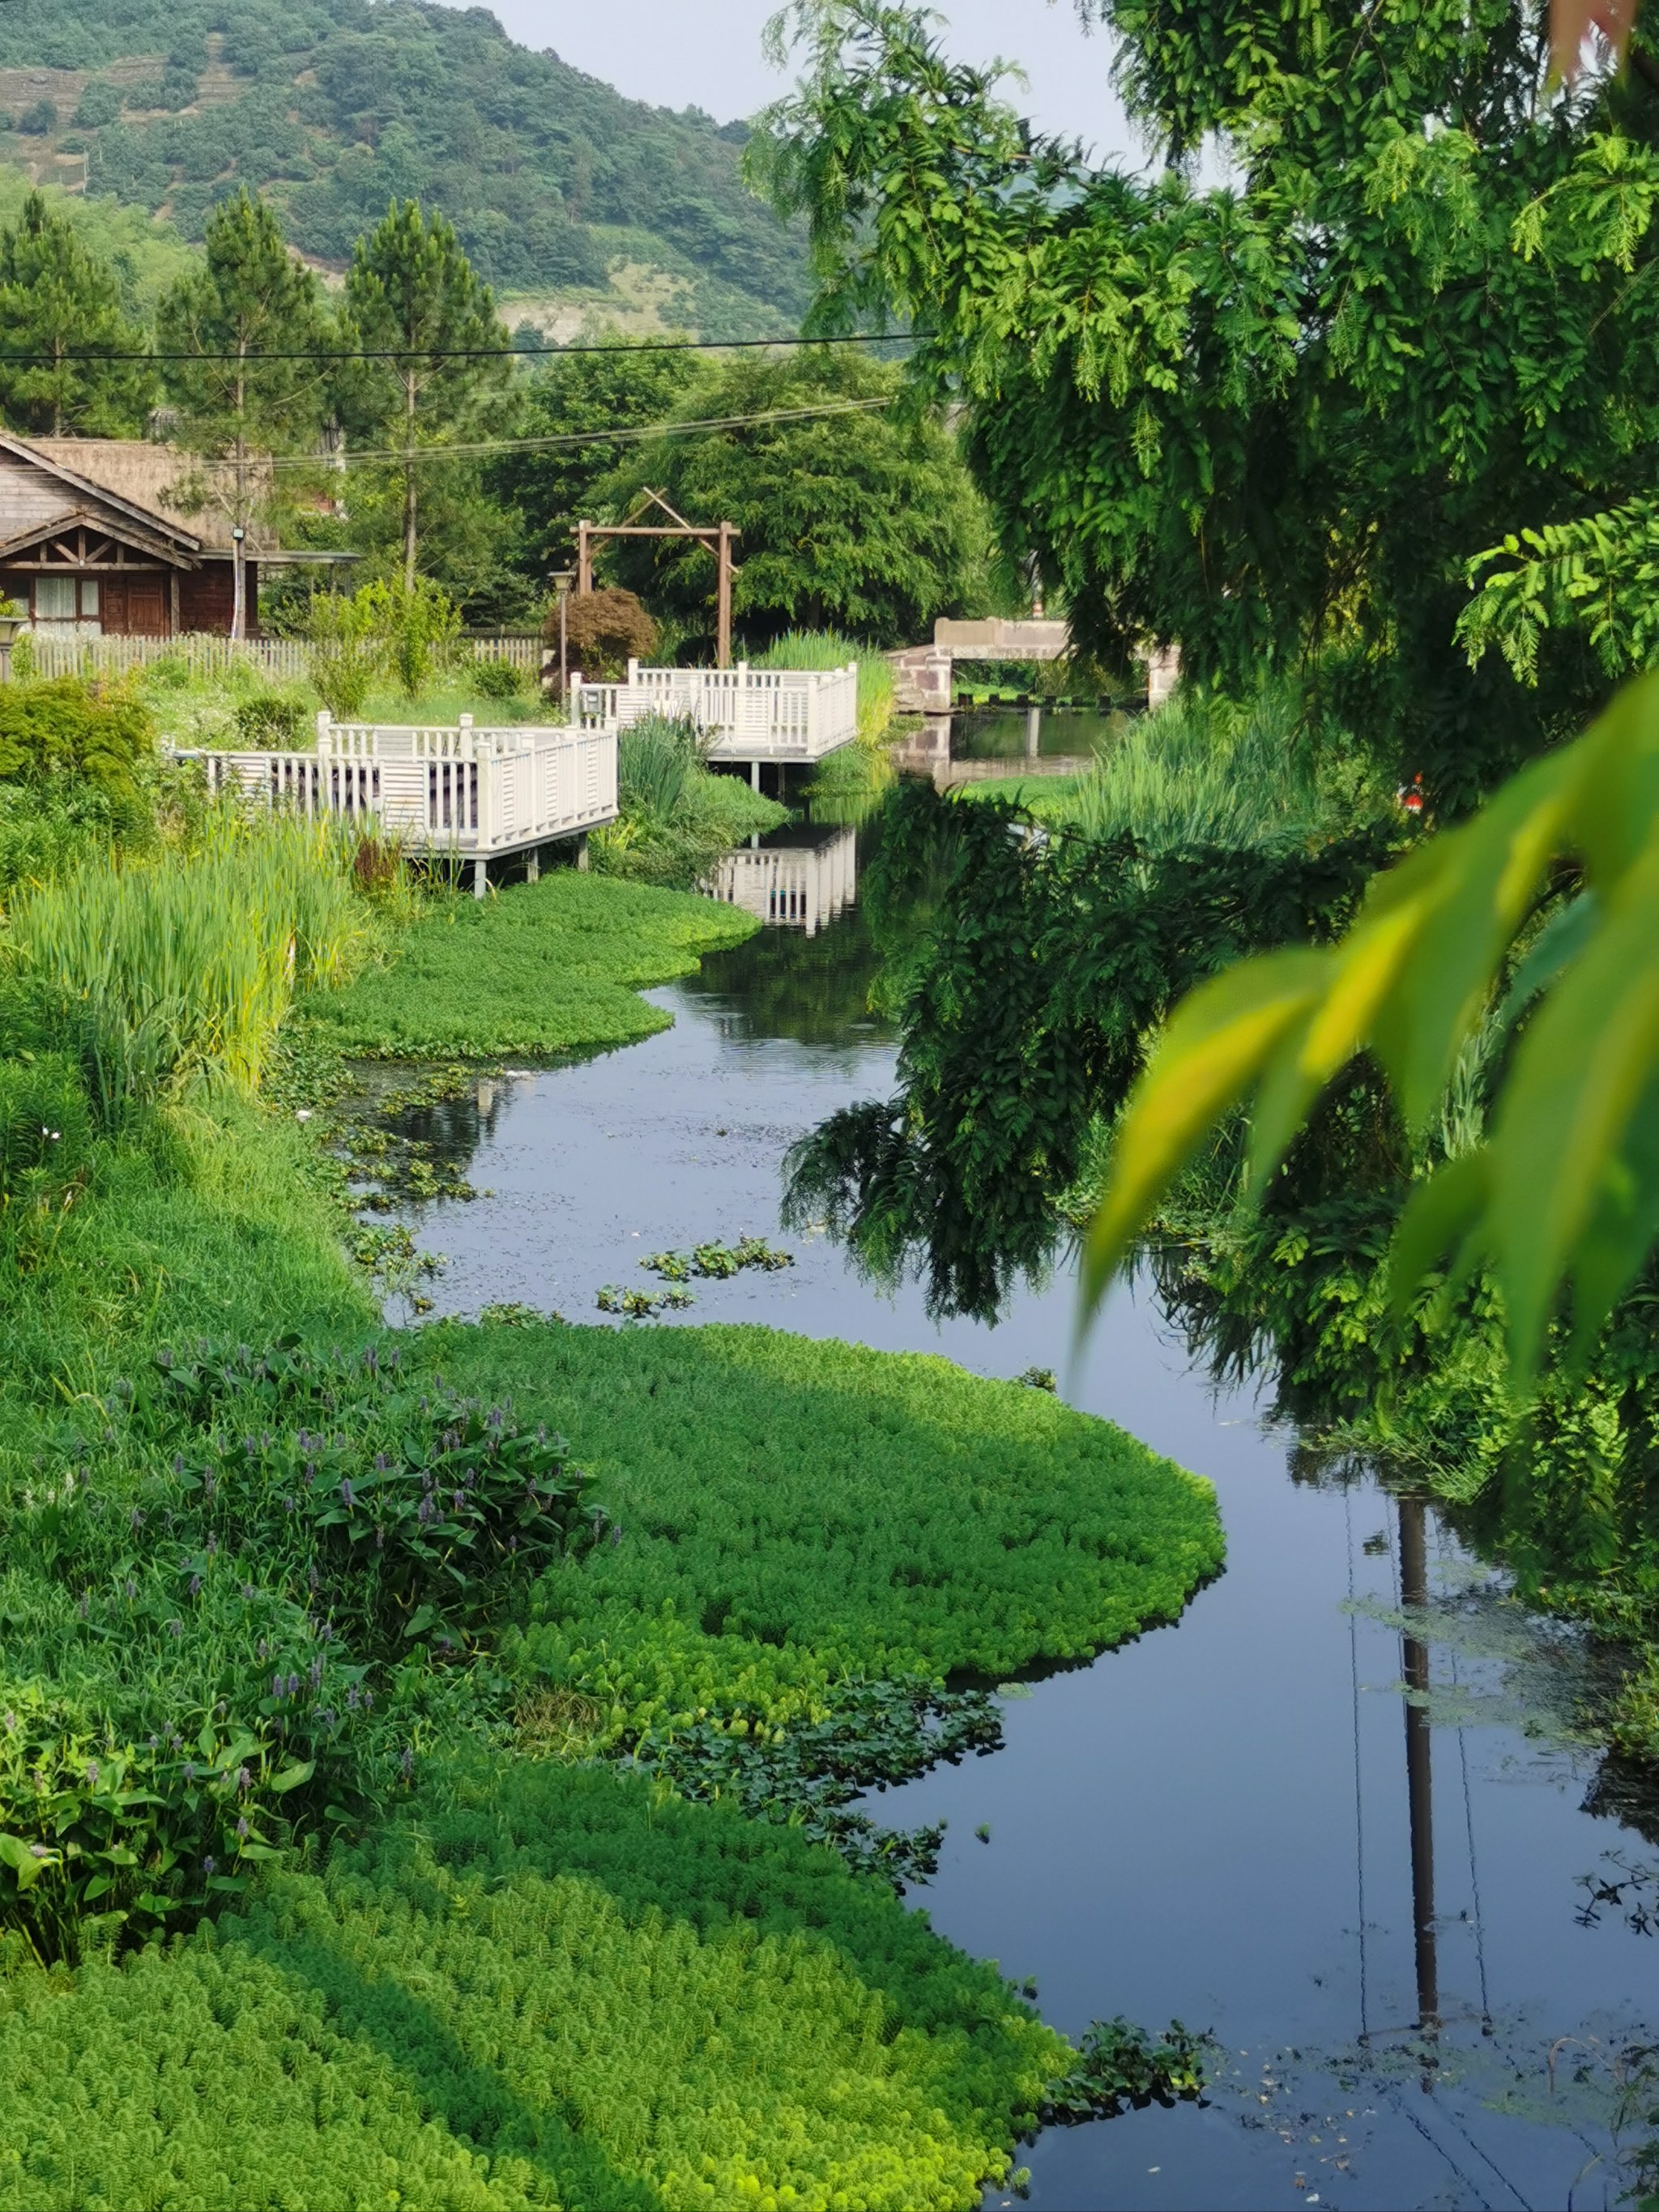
[1599,574]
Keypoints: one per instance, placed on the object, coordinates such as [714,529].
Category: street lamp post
[562,579]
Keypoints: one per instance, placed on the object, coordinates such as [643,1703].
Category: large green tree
[857,513]
[61,308]
[1282,416]
[578,414]
[436,350]
[244,344]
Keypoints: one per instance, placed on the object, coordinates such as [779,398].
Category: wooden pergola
[716,536]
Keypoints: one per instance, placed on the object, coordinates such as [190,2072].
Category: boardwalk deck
[752,714]
[465,793]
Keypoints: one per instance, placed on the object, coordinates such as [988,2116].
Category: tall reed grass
[827,648]
[659,760]
[176,973]
[1226,776]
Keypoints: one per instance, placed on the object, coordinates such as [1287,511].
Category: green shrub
[99,103]
[73,726]
[218,1606]
[554,1989]
[38,119]
[274,719]
[498,679]
[45,1128]
[421,625]
[48,827]
[348,651]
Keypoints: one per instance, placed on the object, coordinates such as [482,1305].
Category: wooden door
[147,606]
[112,605]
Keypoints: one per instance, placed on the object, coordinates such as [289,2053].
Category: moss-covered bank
[540,968]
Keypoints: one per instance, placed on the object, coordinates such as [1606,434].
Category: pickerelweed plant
[230,1613]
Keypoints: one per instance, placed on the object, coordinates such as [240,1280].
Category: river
[1376,1904]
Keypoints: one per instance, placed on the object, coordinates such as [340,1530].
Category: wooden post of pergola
[717,537]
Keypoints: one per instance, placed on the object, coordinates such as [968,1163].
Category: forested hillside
[561,190]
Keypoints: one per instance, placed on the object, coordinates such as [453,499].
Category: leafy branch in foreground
[1565,1184]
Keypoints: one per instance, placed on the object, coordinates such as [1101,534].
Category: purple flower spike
[347,1496]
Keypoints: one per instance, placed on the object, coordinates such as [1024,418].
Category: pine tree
[58,304]
[251,362]
[412,297]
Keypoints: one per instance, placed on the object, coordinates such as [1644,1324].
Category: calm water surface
[1217,1821]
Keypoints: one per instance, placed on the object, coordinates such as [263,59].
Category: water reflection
[1217,1820]
[956,749]
[793,879]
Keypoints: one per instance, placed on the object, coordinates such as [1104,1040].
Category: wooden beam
[584,558]
[653,530]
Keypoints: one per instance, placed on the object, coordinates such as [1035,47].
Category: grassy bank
[306,1620]
[540,968]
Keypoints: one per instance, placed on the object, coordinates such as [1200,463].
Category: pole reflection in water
[1419,1770]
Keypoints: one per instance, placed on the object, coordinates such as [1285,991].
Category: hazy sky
[707,54]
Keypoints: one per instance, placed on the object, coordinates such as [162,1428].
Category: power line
[340,353]
[480,448]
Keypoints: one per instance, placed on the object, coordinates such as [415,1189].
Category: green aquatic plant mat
[792,1513]
[533,970]
[553,1986]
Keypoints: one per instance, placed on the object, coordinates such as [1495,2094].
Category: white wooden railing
[462,789]
[749,714]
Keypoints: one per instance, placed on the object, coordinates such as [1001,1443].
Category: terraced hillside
[565,196]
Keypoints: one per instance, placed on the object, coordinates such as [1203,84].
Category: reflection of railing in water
[792,886]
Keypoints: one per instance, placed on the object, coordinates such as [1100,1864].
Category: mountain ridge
[567,197]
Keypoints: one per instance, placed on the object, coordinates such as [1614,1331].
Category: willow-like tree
[245,342]
[1283,416]
[436,350]
[61,310]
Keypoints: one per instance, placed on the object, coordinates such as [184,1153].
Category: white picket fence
[285,659]
[749,714]
[465,791]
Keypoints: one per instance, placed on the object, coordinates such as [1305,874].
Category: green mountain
[567,195]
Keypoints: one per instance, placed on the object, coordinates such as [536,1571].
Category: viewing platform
[464,792]
[752,714]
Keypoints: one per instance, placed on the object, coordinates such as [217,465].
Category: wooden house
[96,539]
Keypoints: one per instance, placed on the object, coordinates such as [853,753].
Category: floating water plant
[641,1305]
[717,1262]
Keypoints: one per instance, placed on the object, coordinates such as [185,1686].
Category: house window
[65,601]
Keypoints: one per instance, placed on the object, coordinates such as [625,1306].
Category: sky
[707,54]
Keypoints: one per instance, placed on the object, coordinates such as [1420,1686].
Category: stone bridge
[925,675]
